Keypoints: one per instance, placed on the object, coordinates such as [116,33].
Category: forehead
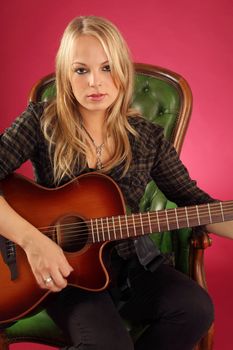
[88,49]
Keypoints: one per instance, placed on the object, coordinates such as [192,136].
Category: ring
[48,280]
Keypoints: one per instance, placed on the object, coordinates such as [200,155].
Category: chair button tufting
[146,89]
[161,111]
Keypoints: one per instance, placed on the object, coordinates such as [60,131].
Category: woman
[90,126]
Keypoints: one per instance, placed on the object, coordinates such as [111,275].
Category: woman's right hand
[45,257]
[47,262]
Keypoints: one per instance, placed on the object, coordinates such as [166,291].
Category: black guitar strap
[8,251]
[148,254]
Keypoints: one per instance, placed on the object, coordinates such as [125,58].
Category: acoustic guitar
[82,217]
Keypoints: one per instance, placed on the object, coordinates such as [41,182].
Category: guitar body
[87,197]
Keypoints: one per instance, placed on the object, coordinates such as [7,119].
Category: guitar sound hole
[72,233]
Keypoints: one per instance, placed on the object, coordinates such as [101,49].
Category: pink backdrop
[193,38]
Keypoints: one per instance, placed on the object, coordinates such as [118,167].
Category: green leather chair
[163,97]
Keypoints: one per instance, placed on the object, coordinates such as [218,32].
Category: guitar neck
[134,225]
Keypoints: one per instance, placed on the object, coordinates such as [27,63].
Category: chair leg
[197,272]
[4,344]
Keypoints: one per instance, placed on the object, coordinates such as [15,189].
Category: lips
[96,97]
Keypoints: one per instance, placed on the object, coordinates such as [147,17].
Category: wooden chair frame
[198,243]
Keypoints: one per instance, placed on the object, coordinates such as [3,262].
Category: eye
[80,70]
[106,68]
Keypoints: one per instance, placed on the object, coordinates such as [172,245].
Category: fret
[177,221]
[140,215]
[135,231]
[148,214]
[97,230]
[186,213]
[209,213]
[119,219]
[92,231]
[222,213]
[227,207]
[113,225]
[166,215]
[163,217]
[172,219]
[182,217]
[216,212]
[103,235]
[109,236]
[126,222]
[157,216]
[198,216]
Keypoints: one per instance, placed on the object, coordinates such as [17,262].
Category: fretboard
[126,226]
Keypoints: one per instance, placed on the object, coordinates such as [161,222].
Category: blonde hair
[61,122]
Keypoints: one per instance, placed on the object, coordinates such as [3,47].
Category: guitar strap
[148,254]
[7,248]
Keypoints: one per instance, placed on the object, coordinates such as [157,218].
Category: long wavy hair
[61,122]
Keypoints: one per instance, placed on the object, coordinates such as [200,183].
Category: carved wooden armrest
[199,242]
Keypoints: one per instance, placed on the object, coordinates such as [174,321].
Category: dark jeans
[178,311]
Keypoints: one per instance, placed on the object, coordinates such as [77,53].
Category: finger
[48,280]
[45,281]
[52,287]
[48,283]
[58,280]
[43,284]
[40,281]
[66,269]
[64,266]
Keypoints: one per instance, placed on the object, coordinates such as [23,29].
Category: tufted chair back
[165,98]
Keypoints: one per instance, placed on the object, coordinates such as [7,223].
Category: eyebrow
[84,64]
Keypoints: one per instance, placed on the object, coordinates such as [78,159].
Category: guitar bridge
[8,251]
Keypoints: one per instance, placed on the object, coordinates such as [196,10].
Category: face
[91,79]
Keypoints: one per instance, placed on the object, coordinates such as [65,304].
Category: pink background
[193,38]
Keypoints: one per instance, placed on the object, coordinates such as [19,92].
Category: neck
[134,225]
[93,120]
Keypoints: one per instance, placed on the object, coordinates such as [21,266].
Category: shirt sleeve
[173,179]
[18,142]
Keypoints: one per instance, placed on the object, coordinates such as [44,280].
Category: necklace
[98,150]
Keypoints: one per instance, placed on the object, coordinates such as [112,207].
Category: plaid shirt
[153,158]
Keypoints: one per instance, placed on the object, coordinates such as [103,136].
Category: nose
[94,79]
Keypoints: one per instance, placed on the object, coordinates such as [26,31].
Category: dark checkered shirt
[153,158]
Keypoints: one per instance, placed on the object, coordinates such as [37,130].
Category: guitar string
[227,209]
[79,239]
[72,233]
[192,214]
[109,231]
[145,215]
[86,238]
[130,223]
